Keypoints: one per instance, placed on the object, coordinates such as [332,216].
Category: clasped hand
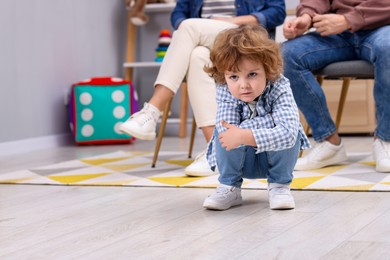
[232,137]
[328,24]
[325,25]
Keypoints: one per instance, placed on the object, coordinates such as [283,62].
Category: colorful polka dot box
[97,107]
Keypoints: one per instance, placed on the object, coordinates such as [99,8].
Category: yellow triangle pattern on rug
[73,179]
[183,163]
[175,181]
[102,160]
[133,168]
[301,183]
[124,167]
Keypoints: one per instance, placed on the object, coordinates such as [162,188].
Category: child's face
[248,83]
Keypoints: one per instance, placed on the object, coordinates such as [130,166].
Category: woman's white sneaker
[199,167]
[321,155]
[142,125]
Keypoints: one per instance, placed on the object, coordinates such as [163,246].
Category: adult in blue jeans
[341,30]
[197,22]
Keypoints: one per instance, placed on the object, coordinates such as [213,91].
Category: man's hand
[328,24]
[296,26]
[232,137]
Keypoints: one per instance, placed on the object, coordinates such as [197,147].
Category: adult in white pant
[186,57]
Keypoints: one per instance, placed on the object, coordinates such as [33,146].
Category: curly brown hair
[246,41]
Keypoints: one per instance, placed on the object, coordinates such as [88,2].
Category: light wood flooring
[65,222]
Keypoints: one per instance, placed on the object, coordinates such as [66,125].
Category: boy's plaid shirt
[276,125]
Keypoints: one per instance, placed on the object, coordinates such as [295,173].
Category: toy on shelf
[163,43]
[136,9]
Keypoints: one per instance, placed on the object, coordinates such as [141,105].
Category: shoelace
[141,117]
[224,191]
[315,149]
[280,190]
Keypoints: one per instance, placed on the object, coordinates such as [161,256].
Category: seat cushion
[355,68]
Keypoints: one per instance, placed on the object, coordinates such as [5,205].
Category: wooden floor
[60,222]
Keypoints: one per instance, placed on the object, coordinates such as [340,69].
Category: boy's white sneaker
[381,154]
[321,155]
[224,197]
[199,167]
[280,197]
[142,124]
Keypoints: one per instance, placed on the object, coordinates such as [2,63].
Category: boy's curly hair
[246,41]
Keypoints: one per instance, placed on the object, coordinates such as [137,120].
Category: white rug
[131,168]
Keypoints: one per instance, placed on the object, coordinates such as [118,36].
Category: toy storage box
[97,107]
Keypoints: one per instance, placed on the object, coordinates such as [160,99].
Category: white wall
[45,46]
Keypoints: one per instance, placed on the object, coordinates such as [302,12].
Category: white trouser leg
[201,88]
[190,34]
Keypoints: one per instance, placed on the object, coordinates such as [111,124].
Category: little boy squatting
[258,133]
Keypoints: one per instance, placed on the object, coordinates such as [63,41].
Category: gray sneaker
[224,197]
[142,125]
[280,197]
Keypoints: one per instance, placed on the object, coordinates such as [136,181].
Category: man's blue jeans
[243,162]
[311,52]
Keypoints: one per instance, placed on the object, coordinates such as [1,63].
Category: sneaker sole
[383,169]
[214,206]
[199,174]
[284,205]
[137,135]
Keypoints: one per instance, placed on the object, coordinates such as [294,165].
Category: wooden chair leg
[192,138]
[183,110]
[320,79]
[161,132]
[343,97]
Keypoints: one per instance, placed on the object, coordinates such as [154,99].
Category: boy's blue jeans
[243,162]
[311,52]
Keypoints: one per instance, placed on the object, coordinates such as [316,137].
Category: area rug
[131,168]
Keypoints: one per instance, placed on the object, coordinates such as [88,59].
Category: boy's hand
[231,138]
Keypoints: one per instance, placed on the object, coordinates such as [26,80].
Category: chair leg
[161,132]
[343,97]
[320,79]
[192,138]
[183,110]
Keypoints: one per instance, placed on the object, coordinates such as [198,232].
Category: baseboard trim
[32,144]
[53,141]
